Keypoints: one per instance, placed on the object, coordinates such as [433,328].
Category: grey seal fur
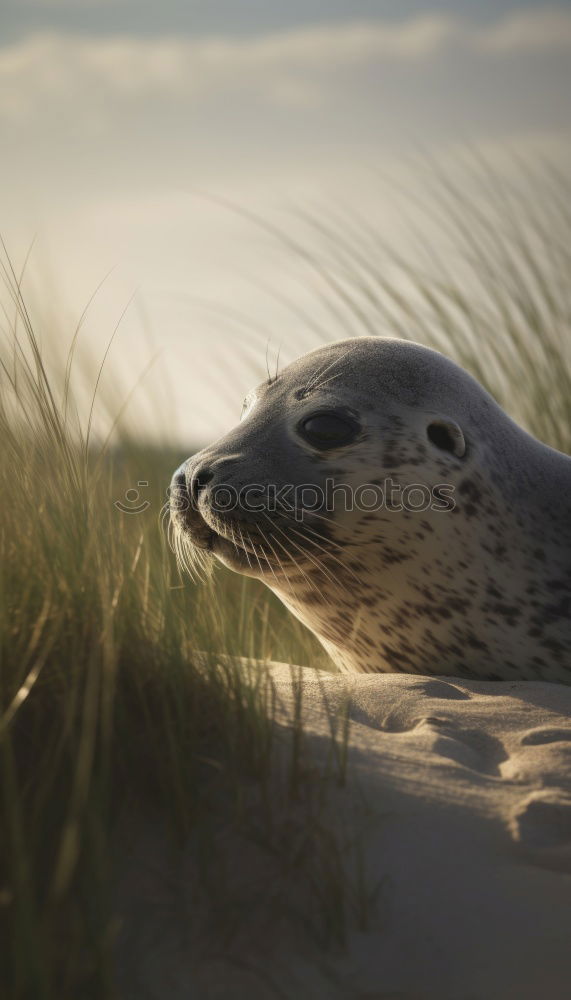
[477,585]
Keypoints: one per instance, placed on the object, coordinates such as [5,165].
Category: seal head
[396,510]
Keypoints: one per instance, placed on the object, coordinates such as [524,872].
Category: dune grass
[102,697]
[103,701]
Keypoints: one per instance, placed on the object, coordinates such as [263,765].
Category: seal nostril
[200,480]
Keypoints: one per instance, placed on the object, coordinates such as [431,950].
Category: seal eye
[328,430]
[447,435]
[248,405]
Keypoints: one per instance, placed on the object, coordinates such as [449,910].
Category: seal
[396,510]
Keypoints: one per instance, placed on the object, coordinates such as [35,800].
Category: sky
[126,126]
[224,17]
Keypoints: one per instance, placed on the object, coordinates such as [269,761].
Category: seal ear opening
[448,436]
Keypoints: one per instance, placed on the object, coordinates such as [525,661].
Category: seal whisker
[292,514]
[267,560]
[164,512]
[313,382]
[255,551]
[188,557]
[278,560]
[330,555]
[244,547]
[297,511]
[303,551]
[291,555]
[326,381]
[312,531]
[234,542]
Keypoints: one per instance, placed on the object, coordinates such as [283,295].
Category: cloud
[530,31]
[289,67]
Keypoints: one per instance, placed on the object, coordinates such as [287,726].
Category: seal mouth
[229,541]
[276,546]
[238,554]
[232,549]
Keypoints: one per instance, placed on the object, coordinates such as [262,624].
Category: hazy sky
[225,17]
[115,116]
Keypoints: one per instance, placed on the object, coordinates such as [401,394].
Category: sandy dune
[459,795]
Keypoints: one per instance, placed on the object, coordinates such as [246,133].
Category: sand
[458,797]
